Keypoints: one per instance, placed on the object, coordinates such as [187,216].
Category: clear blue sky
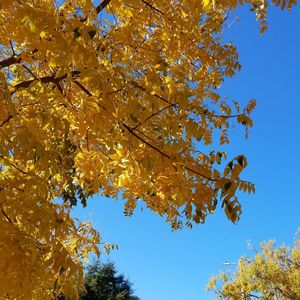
[166,265]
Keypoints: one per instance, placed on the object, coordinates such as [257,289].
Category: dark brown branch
[200,174]
[29,71]
[130,130]
[227,117]
[154,114]
[135,84]
[145,142]
[14,59]
[153,7]
[87,92]
[102,5]
[87,139]
[12,47]
[46,79]
[7,217]
[10,61]
[82,88]
[146,136]
[254,296]
[6,120]
[15,166]
[59,87]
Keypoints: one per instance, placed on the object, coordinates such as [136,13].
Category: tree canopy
[101,282]
[122,96]
[274,273]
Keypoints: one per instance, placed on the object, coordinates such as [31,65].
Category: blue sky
[166,265]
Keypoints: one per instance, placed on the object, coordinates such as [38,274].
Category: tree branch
[153,7]
[6,120]
[144,141]
[45,79]
[130,130]
[87,92]
[227,117]
[102,5]
[10,61]
[135,84]
[254,296]
[154,114]
[13,165]
[14,59]
[82,88]
[7,217]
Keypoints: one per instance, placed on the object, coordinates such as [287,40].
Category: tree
[102,283]
[274,273]
[105,99]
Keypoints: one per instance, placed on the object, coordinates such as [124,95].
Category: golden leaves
[271,273]
[92,105]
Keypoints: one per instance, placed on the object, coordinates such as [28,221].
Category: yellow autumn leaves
[273,273]
[116,98]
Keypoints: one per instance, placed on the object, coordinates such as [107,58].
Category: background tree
[123,101]
[274,273]
[102,283]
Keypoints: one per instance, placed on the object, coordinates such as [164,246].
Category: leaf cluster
[118,99]
[274,273]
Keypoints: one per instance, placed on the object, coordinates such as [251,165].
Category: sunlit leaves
[273,273]
[118,99]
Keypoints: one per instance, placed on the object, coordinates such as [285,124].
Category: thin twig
[135,84]
[31,73]
[153,7]
[7,217]
[6,120]
[13,165]
[154,114]
[82,88]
